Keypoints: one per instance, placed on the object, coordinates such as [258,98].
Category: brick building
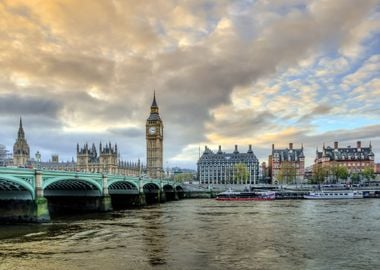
[292,157]
[355,159]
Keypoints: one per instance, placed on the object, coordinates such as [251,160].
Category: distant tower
[21,152]
[154,142]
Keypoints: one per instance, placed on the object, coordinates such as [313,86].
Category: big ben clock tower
[154,142]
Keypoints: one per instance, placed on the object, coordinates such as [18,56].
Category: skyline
[225,73]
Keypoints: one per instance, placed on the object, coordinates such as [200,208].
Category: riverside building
[355,159]
[291,157]
[223,168]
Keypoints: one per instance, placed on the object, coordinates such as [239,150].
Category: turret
[20,133]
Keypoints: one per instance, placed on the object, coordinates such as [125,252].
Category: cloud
[128,132]
[11,104]
[223,71]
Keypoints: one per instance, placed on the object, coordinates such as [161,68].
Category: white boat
[333,195]
[231,195]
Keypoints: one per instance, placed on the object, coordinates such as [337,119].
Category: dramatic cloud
[225,72]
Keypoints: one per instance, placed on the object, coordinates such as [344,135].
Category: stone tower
[154,142]
[21,152]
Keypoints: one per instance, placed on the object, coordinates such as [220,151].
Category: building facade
[223,168]
[21,151]
[154,142]
[108,161]
[290,159]
[53,164]
[355,159]
[5,156]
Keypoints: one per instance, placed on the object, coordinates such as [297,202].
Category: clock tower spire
[154,141]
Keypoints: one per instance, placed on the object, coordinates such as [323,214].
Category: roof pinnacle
[154,103]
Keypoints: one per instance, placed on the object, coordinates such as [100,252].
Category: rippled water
[204,234]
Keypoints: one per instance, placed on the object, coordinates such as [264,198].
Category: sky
[225,72]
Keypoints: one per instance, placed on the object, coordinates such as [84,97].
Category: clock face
[152,130]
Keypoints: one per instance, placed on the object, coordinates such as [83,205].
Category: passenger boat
[230,195]
[333,195]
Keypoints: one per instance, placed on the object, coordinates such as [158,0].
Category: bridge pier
[176,196]
[41,210]
[105,201]
[161,196]
[142,198]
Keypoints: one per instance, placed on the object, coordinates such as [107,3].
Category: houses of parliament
[105,159]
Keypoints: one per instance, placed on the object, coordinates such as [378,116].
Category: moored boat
[230,195]
[333,195]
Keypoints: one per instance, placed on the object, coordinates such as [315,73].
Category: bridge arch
[72,186]
[124,194]
[122,187]
[168,187]
[151,187]
[151,192]
[16,188]
[180,191]
[70,194]
[170,193]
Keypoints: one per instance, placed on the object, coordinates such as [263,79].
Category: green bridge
[34,195]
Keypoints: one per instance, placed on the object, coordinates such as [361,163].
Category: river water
[204,234]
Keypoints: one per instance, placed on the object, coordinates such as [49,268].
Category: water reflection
[203,234]
[154,235]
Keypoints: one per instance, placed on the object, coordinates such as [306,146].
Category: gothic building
[222,168]
[108,161]
[292,157]
[21,151]
[355,159]
[154,142]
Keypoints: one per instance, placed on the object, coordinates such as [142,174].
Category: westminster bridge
[35,195]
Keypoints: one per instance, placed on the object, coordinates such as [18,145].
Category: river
[203,234]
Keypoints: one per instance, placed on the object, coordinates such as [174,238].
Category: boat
[231,195]
[333,195]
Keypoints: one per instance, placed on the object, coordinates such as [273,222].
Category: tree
[287,173]
[355,178]
[368,173]
[319,174]
[336,172]
[332,171]
[183,177]
[241,173]
[342,173]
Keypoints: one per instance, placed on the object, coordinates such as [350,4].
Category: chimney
[335,145]
[358,144]
[250,149]
[220,148]
[291,146]
[236,149]
[272,148]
